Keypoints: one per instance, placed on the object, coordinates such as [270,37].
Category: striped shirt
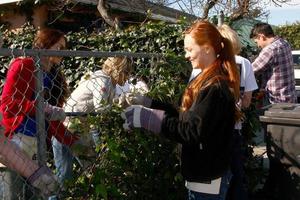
[275,65]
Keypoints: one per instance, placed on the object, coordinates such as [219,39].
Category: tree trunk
[104,12]
[209,4]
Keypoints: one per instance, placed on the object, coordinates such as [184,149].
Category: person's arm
[263,61]
[250,83]
[246,99]
[58,130]
[213,112]
[17,89]
[102,91]
[169,108]
[211,117]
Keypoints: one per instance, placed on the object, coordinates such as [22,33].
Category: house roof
[158,12]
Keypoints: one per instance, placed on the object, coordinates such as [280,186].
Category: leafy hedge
[291,33]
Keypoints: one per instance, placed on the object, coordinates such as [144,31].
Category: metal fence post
[40,116]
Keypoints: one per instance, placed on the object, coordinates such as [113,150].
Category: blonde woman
[237,190]
[92,93]
[99,86]
[98,89]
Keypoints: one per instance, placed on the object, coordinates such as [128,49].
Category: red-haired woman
[18,100]
[205,121]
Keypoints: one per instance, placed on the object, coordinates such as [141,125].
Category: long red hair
[59,92]
[222,69]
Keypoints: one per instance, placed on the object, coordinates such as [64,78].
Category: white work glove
[137,99]
[54,113]
[137,116]
[44,180]
[121,101]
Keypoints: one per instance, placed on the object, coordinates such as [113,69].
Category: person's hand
[54,113]
[44,180]
[138,99]
[121,101]
[137,116]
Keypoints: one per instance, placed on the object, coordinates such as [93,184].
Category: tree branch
[103,9]
[209,4]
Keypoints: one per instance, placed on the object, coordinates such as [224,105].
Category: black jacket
[205,133]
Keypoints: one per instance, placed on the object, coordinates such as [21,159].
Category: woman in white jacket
[97,89]
[93,93]
[99,86]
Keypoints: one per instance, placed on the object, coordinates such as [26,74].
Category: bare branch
[103,9]
[209,4]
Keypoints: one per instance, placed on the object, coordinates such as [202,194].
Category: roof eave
[9,1]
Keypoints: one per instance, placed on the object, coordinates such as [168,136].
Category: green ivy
[130,165]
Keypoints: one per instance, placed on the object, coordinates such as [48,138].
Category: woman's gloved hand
[54,113]
[44,180]
[137,116]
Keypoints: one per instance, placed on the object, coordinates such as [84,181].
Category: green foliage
[251,126]
[291,33]
[130,165]
[151,37]
[22,39]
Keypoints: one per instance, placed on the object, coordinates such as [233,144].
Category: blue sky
[286,14]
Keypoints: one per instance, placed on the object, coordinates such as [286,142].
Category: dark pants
[237,189]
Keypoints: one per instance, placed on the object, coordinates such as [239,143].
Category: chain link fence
[32,103]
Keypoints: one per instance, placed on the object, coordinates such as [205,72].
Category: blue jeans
[63,160]
[12,185]
[192,195]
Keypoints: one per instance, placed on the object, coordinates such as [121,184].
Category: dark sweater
[205,133]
